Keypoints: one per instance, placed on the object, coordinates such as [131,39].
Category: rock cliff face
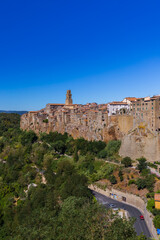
[141,142]
[90,122]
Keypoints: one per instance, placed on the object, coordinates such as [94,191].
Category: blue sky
[101,50]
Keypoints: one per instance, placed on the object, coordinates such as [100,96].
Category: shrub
[113,179]
[150,195]
[150,205]
[131,181]
[141,183]
[142,164]
[102,154]
[120,174]
[145,172]
[113,147]
[127,162]
[152,165]
[156,221]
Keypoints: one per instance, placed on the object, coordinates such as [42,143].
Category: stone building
[90,121]
[68,98]
[147,110]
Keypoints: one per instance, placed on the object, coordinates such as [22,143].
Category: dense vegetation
[44,187]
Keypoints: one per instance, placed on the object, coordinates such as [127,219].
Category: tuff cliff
[141,142]
[88,121]
[91,121]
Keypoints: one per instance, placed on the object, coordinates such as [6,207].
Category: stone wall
[131,200]
[139,144]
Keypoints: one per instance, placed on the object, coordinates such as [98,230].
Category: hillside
[44,182]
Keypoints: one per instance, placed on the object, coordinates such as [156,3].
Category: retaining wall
[131,200]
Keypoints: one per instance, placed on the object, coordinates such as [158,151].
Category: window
[152,107]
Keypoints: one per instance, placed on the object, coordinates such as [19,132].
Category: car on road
[141,217]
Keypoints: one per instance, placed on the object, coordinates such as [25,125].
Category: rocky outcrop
[141,142]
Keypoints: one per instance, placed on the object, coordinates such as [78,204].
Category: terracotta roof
[118,103]
[132,99]
[157,196]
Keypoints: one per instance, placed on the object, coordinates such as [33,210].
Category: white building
[115,107]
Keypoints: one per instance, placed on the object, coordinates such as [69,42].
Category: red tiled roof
[118,103]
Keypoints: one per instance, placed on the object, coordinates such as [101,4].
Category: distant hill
[18,112]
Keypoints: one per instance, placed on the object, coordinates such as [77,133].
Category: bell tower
[68,98]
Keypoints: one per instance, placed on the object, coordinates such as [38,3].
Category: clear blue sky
[102,50]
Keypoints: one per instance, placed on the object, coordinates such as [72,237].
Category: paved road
[140,225]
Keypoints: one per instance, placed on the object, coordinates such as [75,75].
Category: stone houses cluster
[95,121]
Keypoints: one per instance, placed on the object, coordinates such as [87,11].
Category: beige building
[147,110]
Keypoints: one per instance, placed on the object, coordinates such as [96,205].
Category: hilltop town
[135,121]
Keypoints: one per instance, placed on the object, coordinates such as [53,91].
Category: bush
[150,205]
[113,179]
[152,165]
[141,183]
[156,221]
[150,180]
[28,137]
[142,164]
[59,146]
[150,195]
[131,181]
[120,174]
[145,172]
[102,154]
[127,162]
[113,147]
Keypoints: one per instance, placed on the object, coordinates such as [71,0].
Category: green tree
[28,137]
[113,147]
[127,162]
[150,204]
[59,146]
[142,164]
[141,183]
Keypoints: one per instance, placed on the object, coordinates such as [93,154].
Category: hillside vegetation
[44,191]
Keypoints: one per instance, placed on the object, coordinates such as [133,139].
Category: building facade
[116,107]
[147,110]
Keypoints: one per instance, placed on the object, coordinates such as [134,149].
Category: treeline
[44,188]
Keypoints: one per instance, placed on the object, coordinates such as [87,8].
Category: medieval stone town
[134,121]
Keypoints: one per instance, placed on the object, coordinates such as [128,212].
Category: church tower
[68,98]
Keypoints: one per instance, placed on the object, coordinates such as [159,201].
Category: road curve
[140,225]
